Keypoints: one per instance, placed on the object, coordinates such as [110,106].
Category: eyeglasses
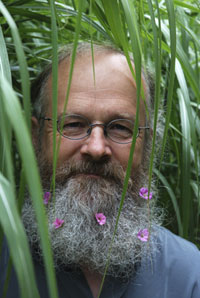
[76,127]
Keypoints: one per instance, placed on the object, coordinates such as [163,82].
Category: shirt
[172,272]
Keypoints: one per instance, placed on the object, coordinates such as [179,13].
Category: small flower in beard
[46,197]
[58,223]
[145,194]
[101,218]
[143,235]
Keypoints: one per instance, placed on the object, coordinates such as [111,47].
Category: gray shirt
[173,272]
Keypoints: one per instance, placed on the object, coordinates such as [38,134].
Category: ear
[35,131]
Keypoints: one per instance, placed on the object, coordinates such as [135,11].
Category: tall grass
[162,36]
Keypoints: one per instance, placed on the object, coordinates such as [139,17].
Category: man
[96,129]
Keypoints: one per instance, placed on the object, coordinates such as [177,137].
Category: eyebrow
[123,116]
[113,116]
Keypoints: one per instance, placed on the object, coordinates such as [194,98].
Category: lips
[87,175]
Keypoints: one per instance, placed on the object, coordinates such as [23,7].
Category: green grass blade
[22,62]
[54,40]
[173,199]
[187,5]
[6,165]
[112,13]
[157,55]
[4,62]
[191,118]
[6,162]
[183,59]
[136,47]
[13,229]
[16,118]
[172,26]
[186,172]
[72,61]
[29,14]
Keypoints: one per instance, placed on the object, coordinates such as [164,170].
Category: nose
[96,145]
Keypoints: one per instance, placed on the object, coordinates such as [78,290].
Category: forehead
[109,82]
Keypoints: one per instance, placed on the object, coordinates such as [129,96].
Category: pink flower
[58,223]
[101,218]
[47,197]
[143,235]
[145,194]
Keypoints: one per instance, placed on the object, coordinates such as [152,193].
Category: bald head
[38,90]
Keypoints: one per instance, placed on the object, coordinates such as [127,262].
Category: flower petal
[101,218]
[58,223]
[46,197]
[143,235]
[144,193]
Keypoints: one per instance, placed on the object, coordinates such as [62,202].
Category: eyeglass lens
[77,127]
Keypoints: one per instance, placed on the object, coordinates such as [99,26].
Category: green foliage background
[163,36]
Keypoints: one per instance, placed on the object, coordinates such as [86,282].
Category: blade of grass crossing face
[92,48]
[13,229]
[22,62]
[137,53]
[132,26]
[54,90]
[157,55]
[186,170]
[131,19]
[172,27]
[16,118]
[72,61]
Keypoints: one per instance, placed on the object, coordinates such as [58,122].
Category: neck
[94,281]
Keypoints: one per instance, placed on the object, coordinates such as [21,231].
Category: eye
[118,126]
[73,126]
[121,128]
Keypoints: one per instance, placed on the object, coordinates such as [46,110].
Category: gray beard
[81,242]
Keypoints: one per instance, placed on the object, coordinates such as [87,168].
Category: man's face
[111,96]
[90,172]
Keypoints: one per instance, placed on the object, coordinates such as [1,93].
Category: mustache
[106,170]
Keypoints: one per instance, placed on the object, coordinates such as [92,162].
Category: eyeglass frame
[92,125]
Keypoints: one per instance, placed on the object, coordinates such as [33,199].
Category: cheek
[122,155]
[47,147]
[138,154]
[68,149]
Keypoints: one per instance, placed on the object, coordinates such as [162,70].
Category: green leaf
[173,199]
[186,173]
[22,62]
[16,118]
[13,229]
